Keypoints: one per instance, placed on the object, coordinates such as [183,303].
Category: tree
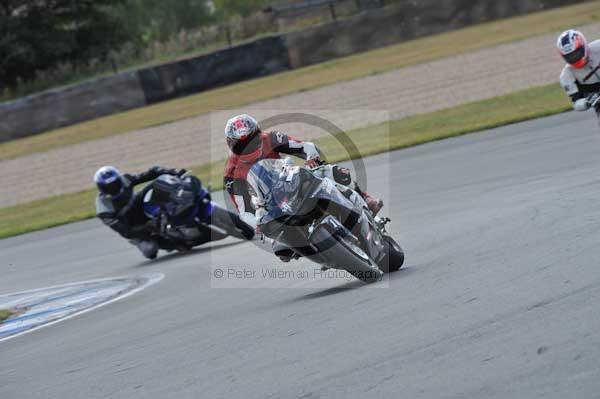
[158,20]
[38,35]
[242,8]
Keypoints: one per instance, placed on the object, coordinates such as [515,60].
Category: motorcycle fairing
[183,200]
[286,192]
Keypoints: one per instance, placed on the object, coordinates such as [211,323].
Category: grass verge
[4,314]
[342,69]
[414,130]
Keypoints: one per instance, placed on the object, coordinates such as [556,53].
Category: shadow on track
[405,271]
[182,254]
[356,284]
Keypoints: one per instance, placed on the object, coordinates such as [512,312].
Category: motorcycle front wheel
[394,256]
[337,252]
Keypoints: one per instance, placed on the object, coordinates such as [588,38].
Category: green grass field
[4,314]
[481,115]
[352,67]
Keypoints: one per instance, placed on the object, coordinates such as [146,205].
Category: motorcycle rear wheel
[232,224]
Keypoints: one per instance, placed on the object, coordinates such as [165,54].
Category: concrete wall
[69,105]
[404,20]
[252,60]
[66,106]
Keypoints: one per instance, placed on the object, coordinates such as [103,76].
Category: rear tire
[232,224]
[394,256]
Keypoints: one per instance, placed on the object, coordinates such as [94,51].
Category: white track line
[151,279]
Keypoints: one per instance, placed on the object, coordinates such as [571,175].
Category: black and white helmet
[109,181]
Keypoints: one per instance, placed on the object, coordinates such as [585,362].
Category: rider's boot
[373,203]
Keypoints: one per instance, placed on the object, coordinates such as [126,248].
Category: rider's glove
[581,105]
[312,163]
[177,172]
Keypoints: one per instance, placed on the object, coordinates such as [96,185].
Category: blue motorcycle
[183,215]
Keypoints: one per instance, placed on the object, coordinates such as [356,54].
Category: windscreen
[277,186]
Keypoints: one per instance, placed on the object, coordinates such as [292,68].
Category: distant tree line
[38,35]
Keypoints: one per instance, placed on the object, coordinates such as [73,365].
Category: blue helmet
[109,181]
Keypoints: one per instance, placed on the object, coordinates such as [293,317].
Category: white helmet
[240,128]
[574,48]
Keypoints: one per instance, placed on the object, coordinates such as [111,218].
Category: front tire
[338,253]
[394,256]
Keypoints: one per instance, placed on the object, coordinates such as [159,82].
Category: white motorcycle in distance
[307,214]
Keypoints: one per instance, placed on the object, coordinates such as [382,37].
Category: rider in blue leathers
[120,207]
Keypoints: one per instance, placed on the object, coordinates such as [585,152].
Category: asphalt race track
[499,297]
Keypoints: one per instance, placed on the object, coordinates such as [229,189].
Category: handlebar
[319,162]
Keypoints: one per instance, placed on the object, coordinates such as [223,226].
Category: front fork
[205,208]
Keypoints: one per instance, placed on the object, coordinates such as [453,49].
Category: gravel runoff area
[408,91]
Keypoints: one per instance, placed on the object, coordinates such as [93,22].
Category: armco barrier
[259,58]
[403,20]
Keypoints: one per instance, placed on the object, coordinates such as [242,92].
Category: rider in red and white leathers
[580,78]
[248,144]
